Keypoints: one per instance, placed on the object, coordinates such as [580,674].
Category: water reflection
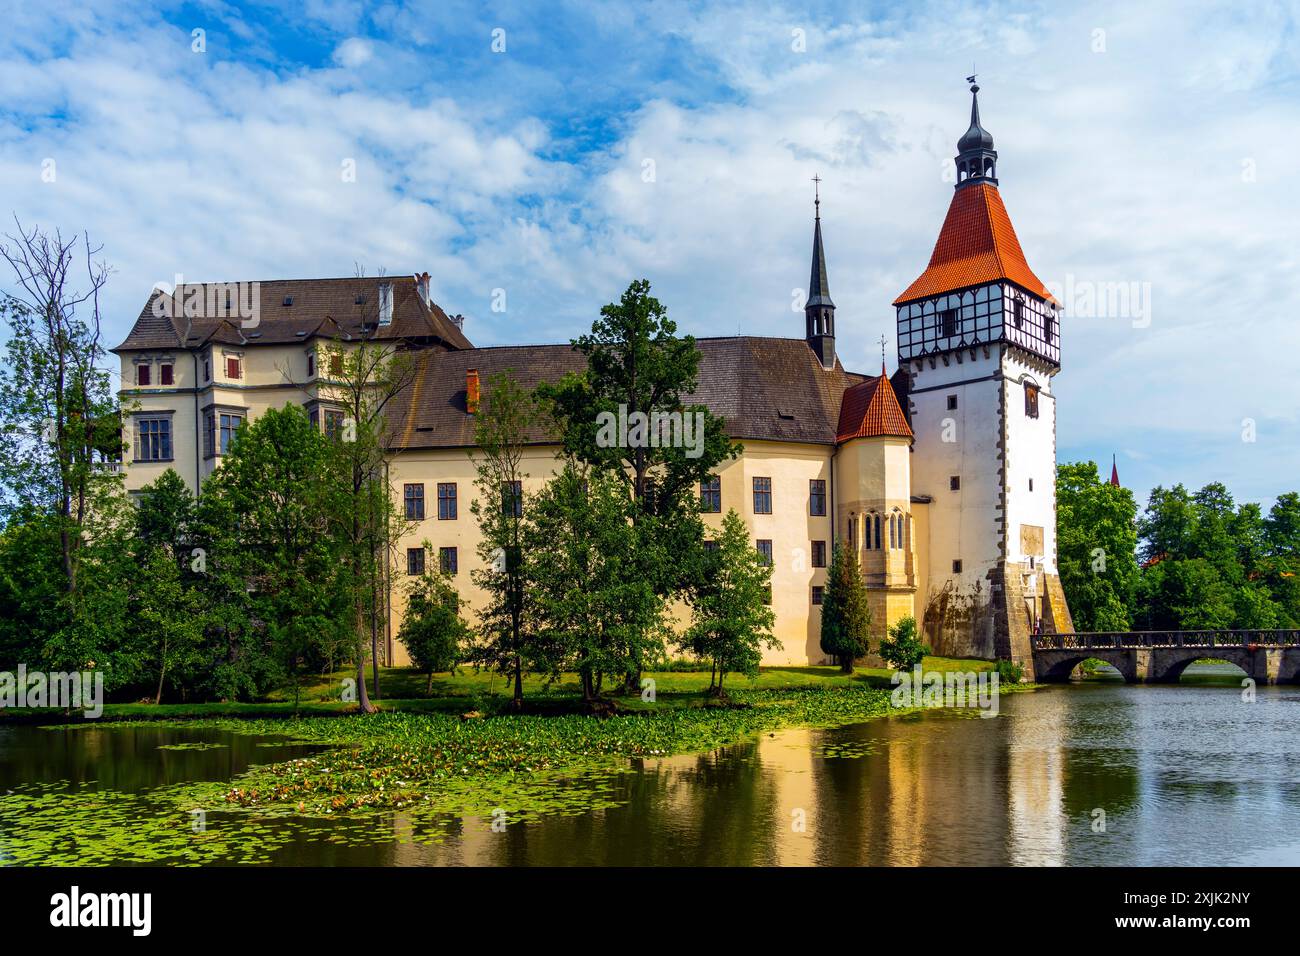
[1096,775]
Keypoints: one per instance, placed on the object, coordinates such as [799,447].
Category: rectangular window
[1018,311]
[818,591]
[1048,326]
[333,424]
[512,498]
[952,403]
[165,375]
[762,496]
[415,561]
[956,566]
[710,546]
[819,554]
[817,496]
[764,546]
[207,370]
[954,483]
[413,495]
[153,439]
[142,373]
[446,501]
[1031,484]
[1031,400]
[233,367]
[336,364]
[314,415]
[447,560]
[711,495]
[229,425]
[949,317]
[311,364]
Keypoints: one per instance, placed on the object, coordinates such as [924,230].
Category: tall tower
[819,310]
[978,334]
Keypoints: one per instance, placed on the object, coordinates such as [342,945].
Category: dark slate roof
[324,307]
[764,388]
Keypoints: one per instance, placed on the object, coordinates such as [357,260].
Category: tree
[59,421]
[60,432]
[433,631]
[592,606]
[731,620]
[1096,545]
[168,617]
[368,377]
[167,610]
[503,425]
[903,648]
[846,613]
[1209,562]
[639,371]
[272,509]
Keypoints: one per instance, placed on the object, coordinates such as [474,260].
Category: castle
[941,476]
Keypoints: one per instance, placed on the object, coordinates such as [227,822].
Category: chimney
[471,391]
[458,320]
[422,286]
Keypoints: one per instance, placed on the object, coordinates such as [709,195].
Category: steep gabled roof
[871,410]
[764,388]
[977,244]
[324,307]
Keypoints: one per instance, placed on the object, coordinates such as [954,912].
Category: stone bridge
[1160,657]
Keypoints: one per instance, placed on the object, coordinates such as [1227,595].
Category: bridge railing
[1130,640]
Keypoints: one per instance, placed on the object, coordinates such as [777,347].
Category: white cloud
[1126,165]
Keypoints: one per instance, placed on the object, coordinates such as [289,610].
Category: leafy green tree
[731,620]
[31,586]
[1186,594]
[370,376]
[1096,540]
[273,515]
[592,605]
[168,616]
[433,631]
[1209,562]
[903,649]
[846,612]
[165,516]
[638,369]
[504,424]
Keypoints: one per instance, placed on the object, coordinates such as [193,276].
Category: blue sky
[1151,146]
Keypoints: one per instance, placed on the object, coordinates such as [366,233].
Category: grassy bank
[404,690]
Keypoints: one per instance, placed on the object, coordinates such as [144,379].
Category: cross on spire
[817,193]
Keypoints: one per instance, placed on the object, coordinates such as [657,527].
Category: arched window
[877,523]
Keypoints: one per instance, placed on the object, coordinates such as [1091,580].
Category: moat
[1086,774]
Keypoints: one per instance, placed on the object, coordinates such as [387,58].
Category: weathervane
[883,342]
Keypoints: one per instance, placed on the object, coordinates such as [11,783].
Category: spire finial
[883,342]
[976,159]
[817,194]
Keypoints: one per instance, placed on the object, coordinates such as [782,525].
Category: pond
[1096,773]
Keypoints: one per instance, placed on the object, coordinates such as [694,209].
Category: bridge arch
[1168,664]
[1054,667]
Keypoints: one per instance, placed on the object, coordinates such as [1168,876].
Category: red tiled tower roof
[977,244]
[870,409]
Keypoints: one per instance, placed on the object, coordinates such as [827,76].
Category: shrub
[902,648]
